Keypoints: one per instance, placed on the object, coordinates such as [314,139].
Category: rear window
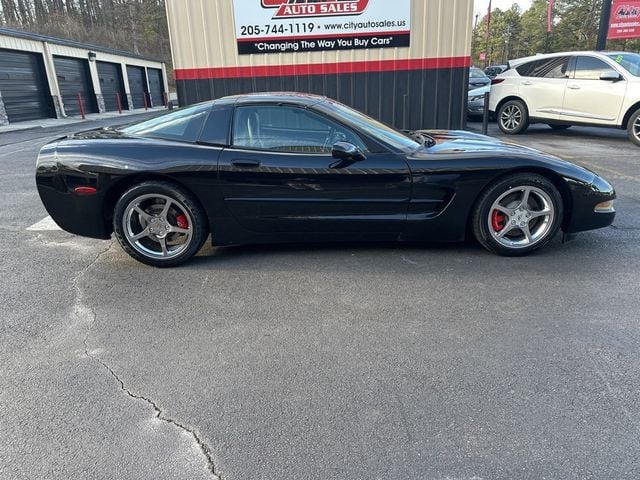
[183,125]
[216,128]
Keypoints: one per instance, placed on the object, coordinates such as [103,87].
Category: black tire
[513,117]
[548,226]
[557,126]
[633,127]
[183,207]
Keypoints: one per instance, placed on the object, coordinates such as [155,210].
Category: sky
[481,6]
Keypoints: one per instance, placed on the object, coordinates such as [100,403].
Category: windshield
[629,61]
[370,126]
[477,73]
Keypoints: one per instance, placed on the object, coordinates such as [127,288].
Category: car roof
[305,99]
[541,56]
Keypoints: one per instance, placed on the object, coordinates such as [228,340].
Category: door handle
[527,82]
[245,163]
[574,87]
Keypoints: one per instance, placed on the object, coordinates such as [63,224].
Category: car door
[589,99]
[543,86]
[279,175]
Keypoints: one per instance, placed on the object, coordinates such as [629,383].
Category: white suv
[563,89]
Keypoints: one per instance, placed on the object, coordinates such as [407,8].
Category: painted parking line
[45,225]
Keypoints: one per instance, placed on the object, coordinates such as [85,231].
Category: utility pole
[604,25]
[547,39]
[486,51]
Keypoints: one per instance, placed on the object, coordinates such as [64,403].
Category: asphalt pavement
[352,361]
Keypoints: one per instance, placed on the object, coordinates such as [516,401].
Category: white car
[563,89]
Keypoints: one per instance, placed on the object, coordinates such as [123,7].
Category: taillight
[496,81]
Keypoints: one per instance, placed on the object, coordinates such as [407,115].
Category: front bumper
[475,108]
[585,198]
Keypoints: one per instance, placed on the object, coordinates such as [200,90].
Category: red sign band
[625,19]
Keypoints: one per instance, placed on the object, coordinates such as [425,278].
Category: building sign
[625,19]
[280,26]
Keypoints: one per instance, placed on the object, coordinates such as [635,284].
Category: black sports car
[286,167]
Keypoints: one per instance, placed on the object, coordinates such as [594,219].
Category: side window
[590,68]
[552,68]
[555,67]
[184,124]
[216,128]
[525,69]
[288,129]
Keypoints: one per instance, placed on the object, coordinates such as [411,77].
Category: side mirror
[346,151]
[611,76]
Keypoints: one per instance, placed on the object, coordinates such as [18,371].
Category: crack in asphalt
[624,229]
[79,309]
[160,415]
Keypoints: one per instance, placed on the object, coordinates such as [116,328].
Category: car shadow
[372,256]
[543,130]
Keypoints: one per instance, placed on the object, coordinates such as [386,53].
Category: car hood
[459,144]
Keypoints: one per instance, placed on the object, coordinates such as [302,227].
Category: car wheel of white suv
[633,127]
[513,117]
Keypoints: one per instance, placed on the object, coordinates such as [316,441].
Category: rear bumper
[80,215]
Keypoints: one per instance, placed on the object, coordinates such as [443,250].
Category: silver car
[475,105]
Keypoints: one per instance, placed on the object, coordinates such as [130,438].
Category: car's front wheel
[159,224]
[517,214]
[513,117]
[633,127]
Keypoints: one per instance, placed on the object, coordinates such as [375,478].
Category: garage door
[24,87]
[111,84]
[137,85]
[156,86]
[73,79]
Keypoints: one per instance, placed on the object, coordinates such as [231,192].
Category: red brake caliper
[497,220]
[182,221]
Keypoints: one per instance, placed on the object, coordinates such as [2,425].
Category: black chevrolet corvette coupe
[286,167]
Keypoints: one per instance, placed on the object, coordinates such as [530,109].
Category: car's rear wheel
[557,126]
[633,127]
[518,214]
[159,224]
[513,117]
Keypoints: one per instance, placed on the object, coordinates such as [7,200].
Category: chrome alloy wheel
[521,217]
[636,128]
[511,117]
[158,226]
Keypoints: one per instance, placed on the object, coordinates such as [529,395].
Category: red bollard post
[119,102]
[146,106]
[81,106]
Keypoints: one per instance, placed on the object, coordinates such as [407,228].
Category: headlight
[599,184]
[476,98]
